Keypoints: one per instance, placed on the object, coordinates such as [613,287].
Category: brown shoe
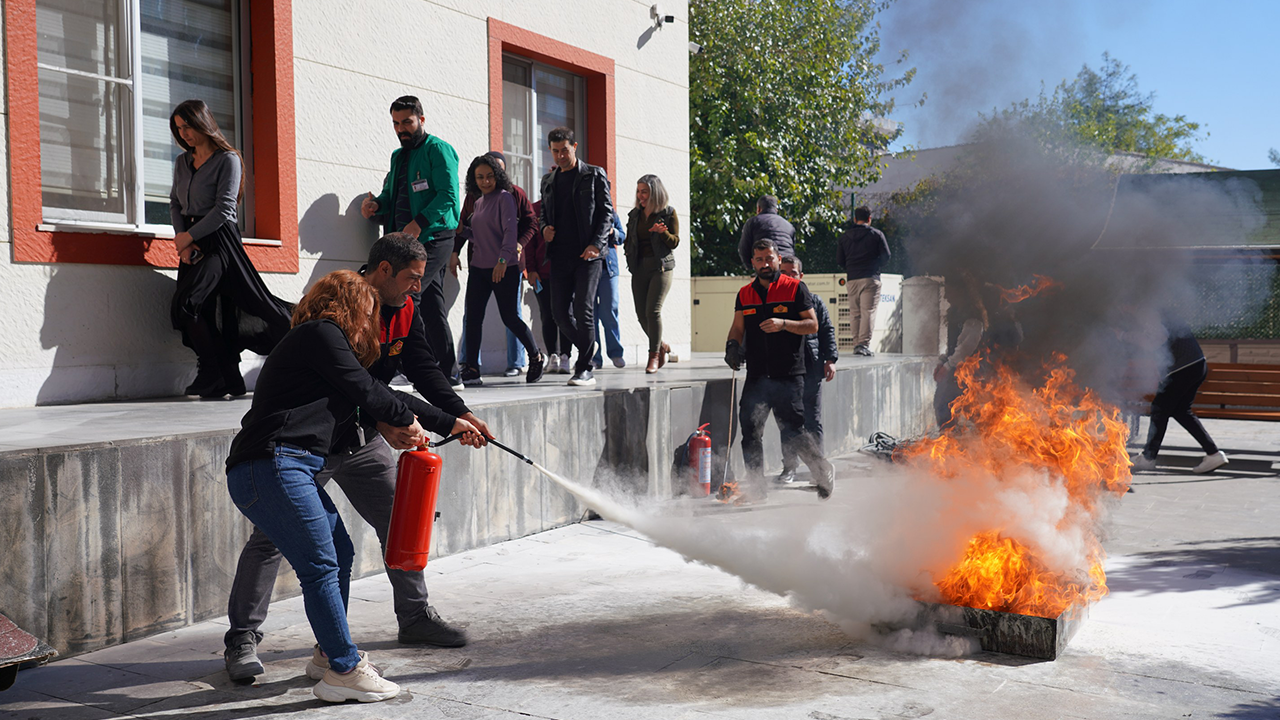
[655,362]
[662,354]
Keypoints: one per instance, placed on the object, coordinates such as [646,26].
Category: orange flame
[1004,429]
[1022,292]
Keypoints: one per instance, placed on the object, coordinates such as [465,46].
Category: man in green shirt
[420,197]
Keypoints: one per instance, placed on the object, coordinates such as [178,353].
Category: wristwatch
[502,261]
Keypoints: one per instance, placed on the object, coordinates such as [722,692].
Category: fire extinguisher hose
[455,436]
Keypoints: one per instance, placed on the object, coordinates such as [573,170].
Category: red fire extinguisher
[700,461]
[414,510]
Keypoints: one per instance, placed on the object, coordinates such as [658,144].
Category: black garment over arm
[419,366]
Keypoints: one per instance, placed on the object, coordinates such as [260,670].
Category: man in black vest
[577,222]
[365,467]
[773,314]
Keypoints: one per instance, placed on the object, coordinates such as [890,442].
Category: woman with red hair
[312,388]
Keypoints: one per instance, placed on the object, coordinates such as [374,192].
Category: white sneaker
[553,364]
[319,662]
[565,366]
[363,683]
[1211,463]
[619,362]
[1140,462]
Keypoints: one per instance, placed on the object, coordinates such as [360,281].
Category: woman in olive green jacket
[653,231]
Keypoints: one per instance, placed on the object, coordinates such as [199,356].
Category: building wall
[73,333]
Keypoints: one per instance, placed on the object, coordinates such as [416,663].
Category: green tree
[782,99]
[1102,109]
[1274,157]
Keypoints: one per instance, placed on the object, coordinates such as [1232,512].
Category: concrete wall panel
[23,497]
[153,542]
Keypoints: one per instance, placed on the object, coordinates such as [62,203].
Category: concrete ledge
[132,532]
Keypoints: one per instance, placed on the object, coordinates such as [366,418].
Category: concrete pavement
[594,621]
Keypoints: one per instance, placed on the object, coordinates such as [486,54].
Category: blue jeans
[607,315]
[280,496]
[516,356]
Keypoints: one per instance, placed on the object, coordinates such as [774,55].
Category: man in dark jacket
[420,196]
[820,356]
[577,222]
[766,224]
[861,250]
[364,467]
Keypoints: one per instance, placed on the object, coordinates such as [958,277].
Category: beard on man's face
[766,273]
[408,139]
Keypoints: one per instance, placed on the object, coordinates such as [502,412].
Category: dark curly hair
[500,179]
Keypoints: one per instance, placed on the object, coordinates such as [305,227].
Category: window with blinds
[111,72]
[535,99]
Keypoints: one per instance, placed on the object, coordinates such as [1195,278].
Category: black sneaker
[471,377]
[455,382]
[824,478]
[537,365]
[242,658]
[511,372]
[431,630]
[786,477]
[583,378]
[208,379]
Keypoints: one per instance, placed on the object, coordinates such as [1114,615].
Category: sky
[1216,63]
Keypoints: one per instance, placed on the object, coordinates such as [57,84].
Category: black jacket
[861,250]
[593,204]
[308,393]
[820,346]
[766,226]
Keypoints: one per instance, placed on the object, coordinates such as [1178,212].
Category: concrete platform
[592,621]
[117,525]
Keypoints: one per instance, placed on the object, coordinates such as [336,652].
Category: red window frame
[274,153]
[597,70]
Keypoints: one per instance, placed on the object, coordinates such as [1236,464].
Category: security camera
[658,17]
[696,49]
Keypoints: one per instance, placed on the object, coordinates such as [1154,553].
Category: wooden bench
[1236,391]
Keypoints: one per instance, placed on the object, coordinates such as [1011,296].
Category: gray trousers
[368,479]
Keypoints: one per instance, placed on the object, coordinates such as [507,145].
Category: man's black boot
[208,378]
[431,630]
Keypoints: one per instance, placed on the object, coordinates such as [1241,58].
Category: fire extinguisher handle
[446,441]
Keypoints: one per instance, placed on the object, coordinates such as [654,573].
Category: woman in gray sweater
[215,277]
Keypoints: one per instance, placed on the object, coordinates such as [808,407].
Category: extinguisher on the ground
[414,510]
[700,461]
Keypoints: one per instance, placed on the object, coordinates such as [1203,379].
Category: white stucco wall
[73,333]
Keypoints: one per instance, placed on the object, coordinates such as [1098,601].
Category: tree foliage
[1274,157]
[781,101]
[1101,109]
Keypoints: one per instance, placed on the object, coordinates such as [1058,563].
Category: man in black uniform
[772,315]
[820,356]
[366,468]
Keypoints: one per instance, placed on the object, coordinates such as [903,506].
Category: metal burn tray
[1004,632]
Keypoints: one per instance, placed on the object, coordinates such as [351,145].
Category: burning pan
[1008,633]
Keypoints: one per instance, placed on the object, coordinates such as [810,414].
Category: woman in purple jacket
[493,233]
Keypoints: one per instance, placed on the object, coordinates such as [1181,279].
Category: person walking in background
[208,183]
[528,227]
[766,224]
[820,356]
[420,196]
[555,343]
[494,232]
[307,396]
[861,250]
[653,232]
[1188,368]
[363,465]
[771,316]
[607,302]
[577,220]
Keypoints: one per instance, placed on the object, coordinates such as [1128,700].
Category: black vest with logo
[779,354]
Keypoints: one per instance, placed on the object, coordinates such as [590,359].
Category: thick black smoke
[1117,245]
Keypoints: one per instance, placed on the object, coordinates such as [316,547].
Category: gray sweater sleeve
[212,194]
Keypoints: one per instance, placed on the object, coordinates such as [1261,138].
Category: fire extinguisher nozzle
[513,452]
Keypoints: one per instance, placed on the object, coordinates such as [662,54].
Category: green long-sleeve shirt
[432,184]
